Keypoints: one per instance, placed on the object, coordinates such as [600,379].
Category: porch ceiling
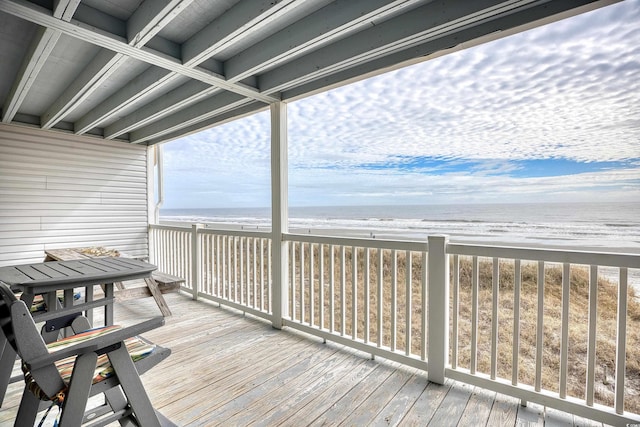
[154,70]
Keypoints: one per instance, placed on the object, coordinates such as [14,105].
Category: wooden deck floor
[230,370]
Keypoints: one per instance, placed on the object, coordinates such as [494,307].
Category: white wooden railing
[437,306]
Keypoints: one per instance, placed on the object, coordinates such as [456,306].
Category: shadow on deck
[234,370]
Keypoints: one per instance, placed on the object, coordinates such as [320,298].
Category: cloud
[568,91]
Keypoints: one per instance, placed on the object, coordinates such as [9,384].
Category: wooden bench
[159,283]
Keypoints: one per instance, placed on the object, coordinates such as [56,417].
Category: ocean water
[611,227]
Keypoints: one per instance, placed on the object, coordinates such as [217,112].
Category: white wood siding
[61,190]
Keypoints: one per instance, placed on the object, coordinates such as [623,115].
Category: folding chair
[69,371]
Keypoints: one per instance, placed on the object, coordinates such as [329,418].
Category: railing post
[438,300]
[196,256]
[279,214]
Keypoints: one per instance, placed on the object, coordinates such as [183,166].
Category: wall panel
[61,190]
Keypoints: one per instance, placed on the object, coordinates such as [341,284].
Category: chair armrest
[96,344]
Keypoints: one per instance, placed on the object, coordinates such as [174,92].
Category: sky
[547,115]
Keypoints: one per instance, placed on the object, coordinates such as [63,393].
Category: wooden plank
[478,408]
[369,410]
[531,415]
[504,410]
[555,418]
[400,403]
[427,404]
[452,406]
[308,406]
[143,291]
[354,397]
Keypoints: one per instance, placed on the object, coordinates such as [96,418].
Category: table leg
[108,308]
[88,297]
[157,295]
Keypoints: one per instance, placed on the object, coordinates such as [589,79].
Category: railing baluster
[292,286]
[380,296]
[494,317]
[354,293]
[247,266]
[423,338]
[394,297]
[591,343]
[540,326]
[474,316]
[229,268]
[343,289]
[332,292]
[455,311]
[367,292]
[564,330]
[302,283]
[255,273]
[312,288]
[408,323]
[621,341]
[269,277]
[241,268]
[321,284]
[517,282]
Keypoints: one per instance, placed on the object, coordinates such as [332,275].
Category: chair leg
[117,401]
[7,360]
[28,410]
[75,402]
[133,388]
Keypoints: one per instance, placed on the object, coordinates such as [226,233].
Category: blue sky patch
[533,168]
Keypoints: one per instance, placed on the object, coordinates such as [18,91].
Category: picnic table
[154,285]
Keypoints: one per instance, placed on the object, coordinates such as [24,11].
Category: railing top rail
[607,259]
[188,228]
[358,242]
[238,233]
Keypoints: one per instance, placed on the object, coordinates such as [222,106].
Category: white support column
[438,300]
[279,213]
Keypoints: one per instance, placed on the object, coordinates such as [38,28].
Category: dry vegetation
[578,333]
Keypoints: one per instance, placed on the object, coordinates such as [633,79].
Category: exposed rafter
[425,23]
[203,110]
[241,20]
[502,26]
[319,28]
[39,51]
[171,102]
[145,23]
[113,42]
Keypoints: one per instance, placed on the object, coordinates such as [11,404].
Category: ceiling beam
[502,26]
[243,111]
[240,20]
[37,54]
[417,26]
[169,103]
[145,23]
[321,27]
[39,15]
[196,113]
[150,81]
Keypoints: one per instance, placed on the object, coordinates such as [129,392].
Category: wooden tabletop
[49,276]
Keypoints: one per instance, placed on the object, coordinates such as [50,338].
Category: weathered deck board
[228,369]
